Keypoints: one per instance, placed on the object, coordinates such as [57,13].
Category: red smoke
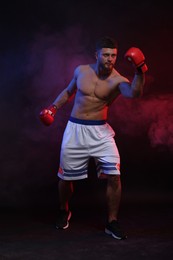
[152,116]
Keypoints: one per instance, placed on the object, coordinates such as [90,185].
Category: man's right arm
[64,96]
[47,115]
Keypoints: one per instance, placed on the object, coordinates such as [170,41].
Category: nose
[110,58]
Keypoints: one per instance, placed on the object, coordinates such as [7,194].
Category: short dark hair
[106,42]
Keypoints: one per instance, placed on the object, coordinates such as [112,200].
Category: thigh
[74,156]
[108,160]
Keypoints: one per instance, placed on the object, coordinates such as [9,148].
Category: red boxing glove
[47,115]
[136,56]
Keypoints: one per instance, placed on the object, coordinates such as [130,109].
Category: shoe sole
[108,232]
[65,227]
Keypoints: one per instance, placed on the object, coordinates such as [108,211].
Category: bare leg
[113,194]
[65,189]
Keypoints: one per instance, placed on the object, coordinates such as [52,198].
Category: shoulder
[81,68]
[118,77]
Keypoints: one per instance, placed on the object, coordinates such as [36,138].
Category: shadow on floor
[147,220]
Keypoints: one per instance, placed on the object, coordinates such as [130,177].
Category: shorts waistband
[87,122]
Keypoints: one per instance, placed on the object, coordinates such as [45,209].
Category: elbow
[70,96]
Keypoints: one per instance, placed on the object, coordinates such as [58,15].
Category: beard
[107,67]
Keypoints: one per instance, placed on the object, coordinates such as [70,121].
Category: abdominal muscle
[89,108]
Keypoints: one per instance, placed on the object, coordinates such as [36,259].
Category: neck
[102,72]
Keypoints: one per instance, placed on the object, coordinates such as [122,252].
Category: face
[106,58]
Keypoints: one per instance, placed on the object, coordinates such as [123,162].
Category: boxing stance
[88,134]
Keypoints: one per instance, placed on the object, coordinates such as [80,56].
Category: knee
[114,180]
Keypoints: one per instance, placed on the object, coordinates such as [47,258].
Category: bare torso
[94,94]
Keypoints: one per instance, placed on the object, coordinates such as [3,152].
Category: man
[87,133]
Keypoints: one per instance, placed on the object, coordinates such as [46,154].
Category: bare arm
[47,115]
[133,89]
[65,95]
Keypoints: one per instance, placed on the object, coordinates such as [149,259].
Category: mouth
[109,64]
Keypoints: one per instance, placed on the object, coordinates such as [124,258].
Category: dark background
[41,44]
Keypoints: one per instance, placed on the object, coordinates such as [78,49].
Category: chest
[90,84]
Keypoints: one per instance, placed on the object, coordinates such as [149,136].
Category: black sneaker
[114,230]
[63,219]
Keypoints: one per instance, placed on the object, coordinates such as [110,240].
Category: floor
[30,233]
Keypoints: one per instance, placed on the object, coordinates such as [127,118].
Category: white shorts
[82,140]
